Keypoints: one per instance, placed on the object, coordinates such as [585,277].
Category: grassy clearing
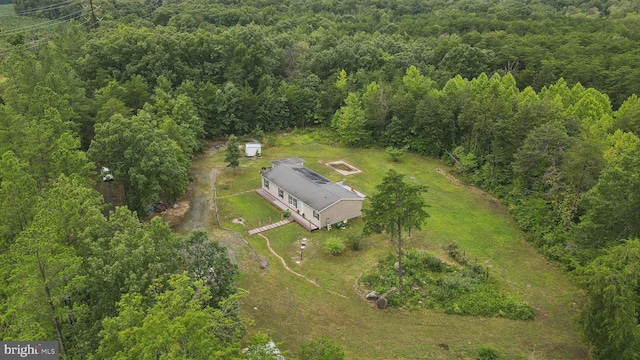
[30,30]
[292,310]
[12,22]
[7,10]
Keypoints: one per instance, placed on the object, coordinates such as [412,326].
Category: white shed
[252,149]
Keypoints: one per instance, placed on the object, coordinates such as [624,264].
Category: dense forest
[533,101]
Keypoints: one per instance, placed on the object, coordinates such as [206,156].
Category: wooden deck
[294,216]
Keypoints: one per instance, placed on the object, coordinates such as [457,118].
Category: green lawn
[293,310]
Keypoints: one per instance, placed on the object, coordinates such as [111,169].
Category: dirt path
[201,204]
[284,264]
[286,267]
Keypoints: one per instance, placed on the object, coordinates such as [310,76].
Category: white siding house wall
[344,209]
[302,208]
[270,187]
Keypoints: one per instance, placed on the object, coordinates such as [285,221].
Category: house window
[293,201]
[266,183]
[316,215]
[281,193]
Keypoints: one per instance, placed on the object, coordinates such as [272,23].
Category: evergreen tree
[232,154]
[396,207]
[350,123]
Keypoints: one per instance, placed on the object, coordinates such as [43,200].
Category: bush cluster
[431,283]
[488,353]
[486,301]
[334,246]
[354,241]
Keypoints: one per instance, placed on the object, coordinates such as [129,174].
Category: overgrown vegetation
[320,349]
[488,353]
[431,283]
[355,241]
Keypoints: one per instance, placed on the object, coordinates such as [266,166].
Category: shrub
[486,301]
[478,270]
[395,153]
[261,347]
[334,246]
[320,349]
[517,310]
[454,252]
[420,261]
[483,302]
[271,140]
[488,353]
[382,277]
[354,241]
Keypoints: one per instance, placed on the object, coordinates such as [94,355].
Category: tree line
[533,102]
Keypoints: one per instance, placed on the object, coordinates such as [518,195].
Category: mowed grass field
[292,310]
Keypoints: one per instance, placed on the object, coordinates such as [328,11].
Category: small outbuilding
[252,149]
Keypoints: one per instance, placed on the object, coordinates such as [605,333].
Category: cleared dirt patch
[343,167]
[175,215]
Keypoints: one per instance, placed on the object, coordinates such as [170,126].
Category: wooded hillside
[535,102]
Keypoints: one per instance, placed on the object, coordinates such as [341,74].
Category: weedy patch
[462,289]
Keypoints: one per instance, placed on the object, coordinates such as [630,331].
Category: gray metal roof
[307,185]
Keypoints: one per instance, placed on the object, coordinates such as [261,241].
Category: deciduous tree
[174,324]
[208,261]
[543,149]
[612,206]
[149,165]
[610,321]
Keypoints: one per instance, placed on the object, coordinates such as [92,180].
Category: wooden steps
[270,226]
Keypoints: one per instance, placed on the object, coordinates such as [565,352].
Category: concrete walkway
[270,226]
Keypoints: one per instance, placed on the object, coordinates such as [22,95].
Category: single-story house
[314,200]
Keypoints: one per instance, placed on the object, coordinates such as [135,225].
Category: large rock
[374,295]
[396,267]
[381,303]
